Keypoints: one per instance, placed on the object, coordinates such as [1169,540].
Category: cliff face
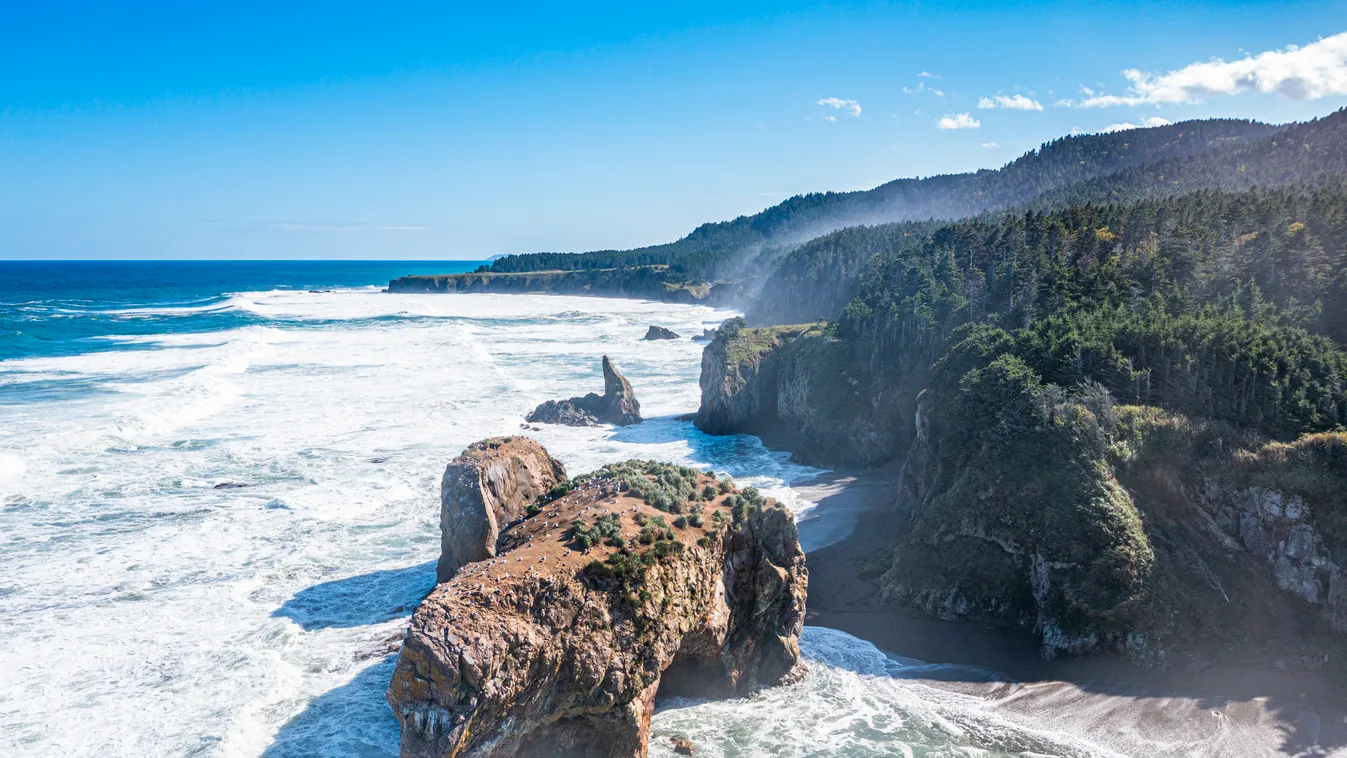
[794,387]
[484,490]
[1172,540]
[645,282]
[598,601]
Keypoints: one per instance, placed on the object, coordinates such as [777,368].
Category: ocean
[219,505]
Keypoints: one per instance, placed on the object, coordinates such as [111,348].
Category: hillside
[818,279]
[748,244]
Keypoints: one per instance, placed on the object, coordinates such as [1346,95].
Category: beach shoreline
[1267,711]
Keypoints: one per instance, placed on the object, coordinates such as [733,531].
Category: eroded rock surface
[559,644]
[617,405]
[485,489]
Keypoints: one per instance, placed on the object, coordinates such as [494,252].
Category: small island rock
[660,333]
[617,405]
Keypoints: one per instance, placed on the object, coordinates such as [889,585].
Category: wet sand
[1123,707]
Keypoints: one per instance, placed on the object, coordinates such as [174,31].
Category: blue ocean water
[70,307]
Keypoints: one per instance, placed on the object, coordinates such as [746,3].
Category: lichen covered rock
[485,489]
[558,646]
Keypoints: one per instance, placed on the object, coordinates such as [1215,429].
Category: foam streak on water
[147,612]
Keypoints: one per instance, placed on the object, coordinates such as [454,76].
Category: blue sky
[448,130]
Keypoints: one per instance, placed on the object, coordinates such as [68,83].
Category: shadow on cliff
[351,720]
[371,598]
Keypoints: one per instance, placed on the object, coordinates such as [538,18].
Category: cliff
[796,387]
[638,579]
[644,282]
[1173,539]
[484,490]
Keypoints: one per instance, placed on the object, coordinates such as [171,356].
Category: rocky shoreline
[1262,708]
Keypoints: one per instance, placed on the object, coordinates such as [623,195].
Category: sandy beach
[1129,709]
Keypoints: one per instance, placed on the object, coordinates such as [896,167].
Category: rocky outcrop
[1176,541]
[706,336]
[660,333]
[484,490]
[617,405]
[798,390]
[559,645]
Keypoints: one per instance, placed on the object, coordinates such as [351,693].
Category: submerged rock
[683,745]
[559,644]
[617,405]
[660,333]
[485,489]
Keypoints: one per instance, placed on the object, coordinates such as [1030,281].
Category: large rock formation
[558,646]
[660,333]
[617,405]
[488,487]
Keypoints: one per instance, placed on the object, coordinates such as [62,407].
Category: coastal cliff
[786,385]
[644,282]
[1099,526]
[640,578]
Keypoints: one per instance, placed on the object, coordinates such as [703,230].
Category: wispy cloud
[959,121]
[1145,122]
[990,145]
[921,87]
[1316,70]
[929,75]
[840,104]
[1011,102]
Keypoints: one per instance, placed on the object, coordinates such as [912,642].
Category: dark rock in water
[230,485]
[617,405]
[683,746]
[685,416]
[564,412]
[319,292]
[706,336]
[660,333]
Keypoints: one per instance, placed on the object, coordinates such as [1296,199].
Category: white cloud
[990,145]
[929,75]
[921,87]
[1316,70]
[1155,121]
[1011,102]
[959,121]
[829,117]
[837,102]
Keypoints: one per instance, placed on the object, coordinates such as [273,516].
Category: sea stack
[483,491]
[617,405]
[660,333]
[637,579]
